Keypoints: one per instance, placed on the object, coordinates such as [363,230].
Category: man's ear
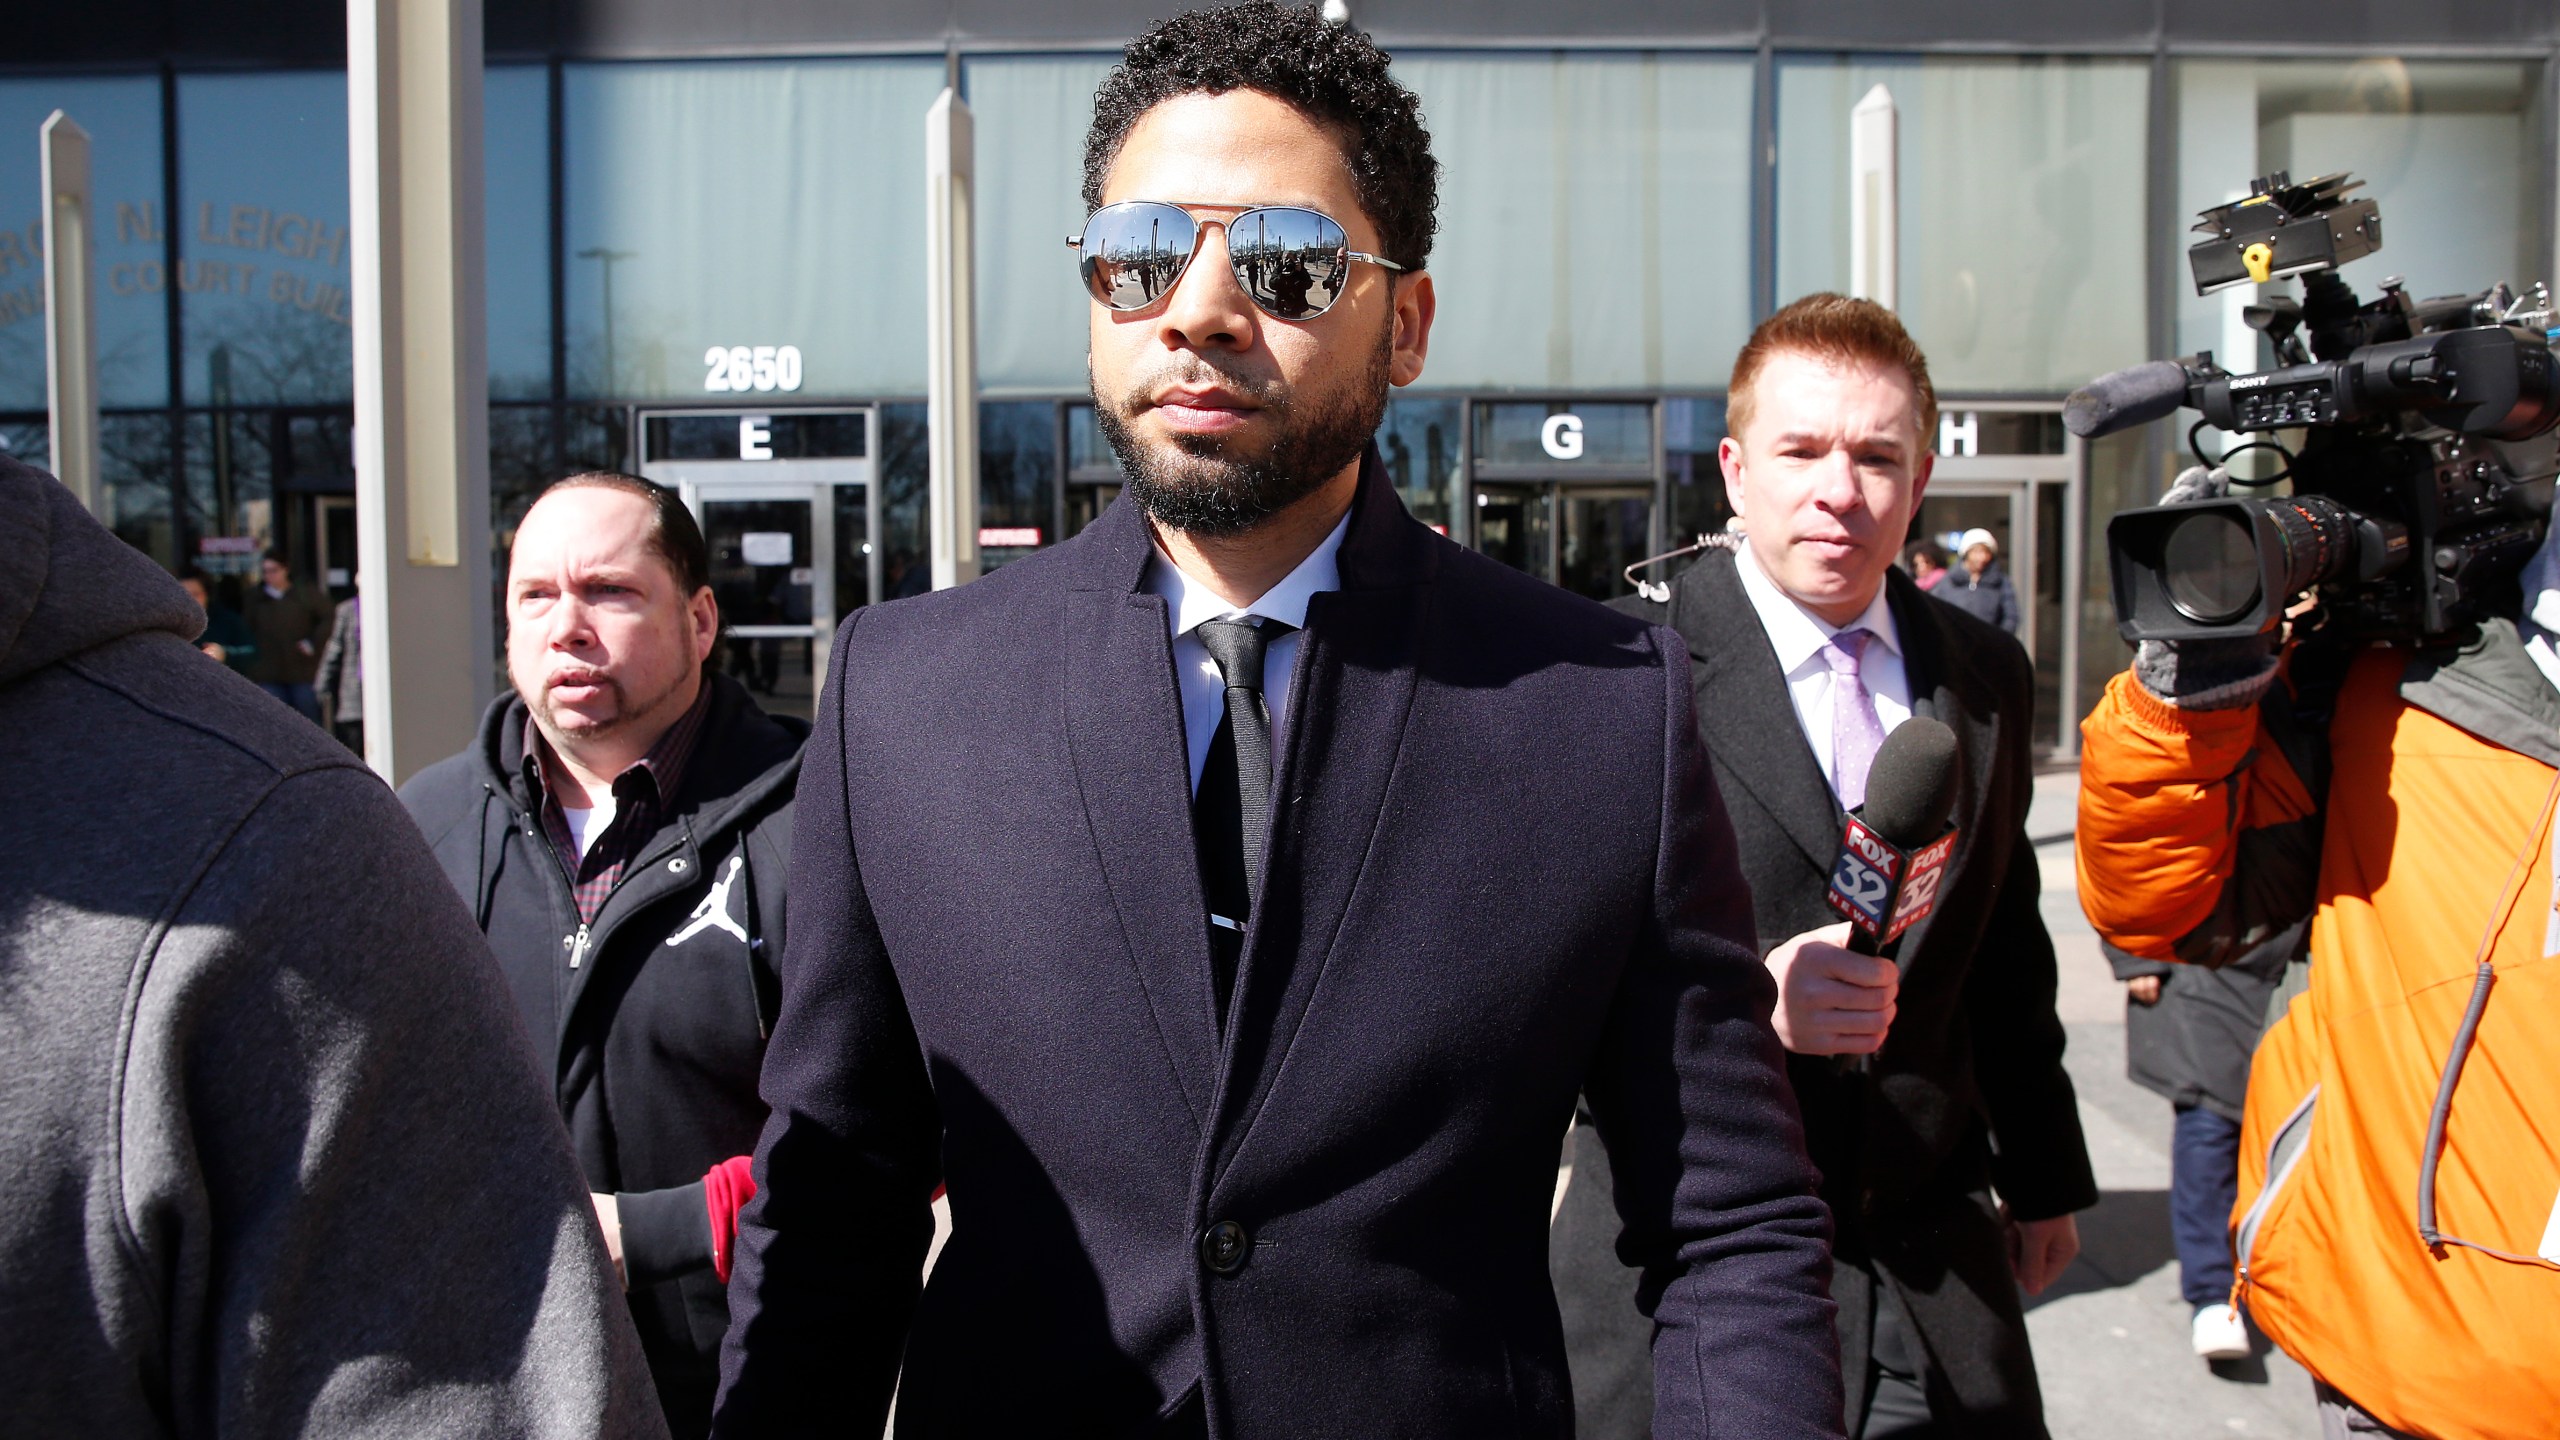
[1729,460]
[704,611]
[1415,306]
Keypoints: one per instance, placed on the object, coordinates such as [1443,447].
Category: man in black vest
[621,829]
[1229,903]
[1953,1161]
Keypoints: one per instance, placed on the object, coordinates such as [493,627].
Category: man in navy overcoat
[1228,904]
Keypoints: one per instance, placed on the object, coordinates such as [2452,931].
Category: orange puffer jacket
[2433,833]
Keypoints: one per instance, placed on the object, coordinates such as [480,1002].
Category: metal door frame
[322,503]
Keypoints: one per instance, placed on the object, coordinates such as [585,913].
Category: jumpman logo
[713,912]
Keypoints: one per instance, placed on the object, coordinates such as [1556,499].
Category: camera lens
[2318,535]
[2209,562]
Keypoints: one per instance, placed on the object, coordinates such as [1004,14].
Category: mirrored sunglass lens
[1290,261]
[1133,253]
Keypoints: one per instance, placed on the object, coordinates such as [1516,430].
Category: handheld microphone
[1895,850]
[2122,399]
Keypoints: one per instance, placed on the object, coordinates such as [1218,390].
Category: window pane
[1595,218]
[29,442]
[122,117]
[1693,484]
[2443,147]
[908,569]
[1017,478]
[1420,443]
[745,204]
[1032,113]
[1089,456]
[133,463]
[262,237]
[2022,224]
[517,102]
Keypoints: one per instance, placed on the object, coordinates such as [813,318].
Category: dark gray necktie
[1231,811]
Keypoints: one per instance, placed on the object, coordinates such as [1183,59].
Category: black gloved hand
[2205,674]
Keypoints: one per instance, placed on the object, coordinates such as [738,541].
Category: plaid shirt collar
[642,794]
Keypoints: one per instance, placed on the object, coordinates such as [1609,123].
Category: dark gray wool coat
[274,1159]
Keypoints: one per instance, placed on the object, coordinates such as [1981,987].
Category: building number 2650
[752,367]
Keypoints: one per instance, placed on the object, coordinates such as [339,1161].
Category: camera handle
[2195,447]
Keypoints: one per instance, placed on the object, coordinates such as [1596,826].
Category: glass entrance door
[1952,510]
[1579,536]
[1515,524]
[1600,532]
[2028,522]
[787,505]
[773,574]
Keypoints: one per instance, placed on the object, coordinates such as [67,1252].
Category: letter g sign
[1562,436]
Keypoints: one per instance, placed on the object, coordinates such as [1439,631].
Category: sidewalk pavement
[2111,1336]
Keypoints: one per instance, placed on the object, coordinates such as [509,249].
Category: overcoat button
[1223,1247]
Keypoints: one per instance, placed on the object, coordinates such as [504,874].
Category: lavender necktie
[1856,731]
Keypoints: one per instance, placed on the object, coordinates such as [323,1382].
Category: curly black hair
[1330,72]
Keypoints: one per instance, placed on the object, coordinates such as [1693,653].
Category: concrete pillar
[71,312]
[421,377]
[1875,199]
[951,340]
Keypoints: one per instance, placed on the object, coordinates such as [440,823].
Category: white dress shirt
[1204,690]
[1798,635]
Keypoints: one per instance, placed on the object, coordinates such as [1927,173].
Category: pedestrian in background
[2188,1034]
[1981,589]
[226,635]
[1928,565]
[289,623]
[340,680]
[274,1158]
[621,829]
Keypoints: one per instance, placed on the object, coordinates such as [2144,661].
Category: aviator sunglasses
[1291,262]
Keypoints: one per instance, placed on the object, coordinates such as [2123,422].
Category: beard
[624,709]
[1209,485]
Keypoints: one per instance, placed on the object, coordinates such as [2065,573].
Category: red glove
[729,1185]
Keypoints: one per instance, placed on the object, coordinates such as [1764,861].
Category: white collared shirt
[1799,635]
[1188,603]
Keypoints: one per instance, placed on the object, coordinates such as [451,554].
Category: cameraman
[2401,798]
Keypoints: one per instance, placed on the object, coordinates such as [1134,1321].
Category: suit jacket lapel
[1351,695]
[1125,738]
[1945,689]
[1748,718]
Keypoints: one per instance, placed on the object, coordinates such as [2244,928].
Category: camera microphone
[2125,398]
[1895,849]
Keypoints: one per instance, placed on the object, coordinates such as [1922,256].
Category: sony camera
[2416,495]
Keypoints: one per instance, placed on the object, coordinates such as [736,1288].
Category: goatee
[1203,485]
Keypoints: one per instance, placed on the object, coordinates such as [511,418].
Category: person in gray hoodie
[274,1157]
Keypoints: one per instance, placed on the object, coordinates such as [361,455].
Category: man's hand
[216,651]
[2143,989]
[2040,1250]
[1831,1000]
[609,1215]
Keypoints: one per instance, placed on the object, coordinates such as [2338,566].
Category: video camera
[2412,511]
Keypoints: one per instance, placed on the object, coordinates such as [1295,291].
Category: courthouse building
[706,255]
